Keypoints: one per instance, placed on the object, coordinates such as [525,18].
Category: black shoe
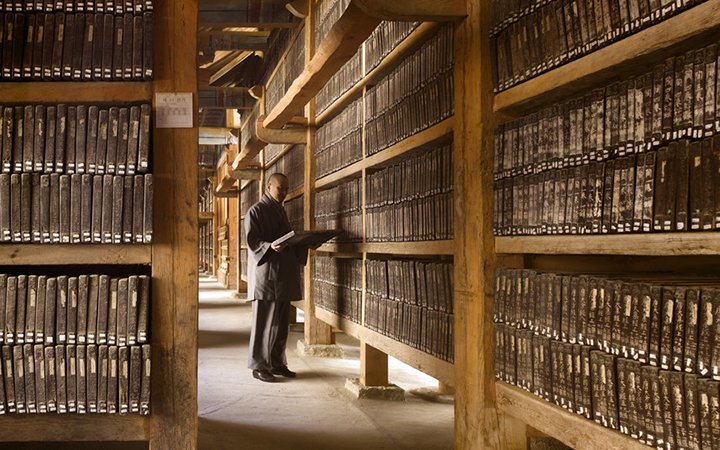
[263,375]
[283,371]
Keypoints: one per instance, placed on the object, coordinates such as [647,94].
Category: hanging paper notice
[173,110]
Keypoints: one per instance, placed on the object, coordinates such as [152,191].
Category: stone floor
[313,411]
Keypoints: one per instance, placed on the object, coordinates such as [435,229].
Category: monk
[273,281]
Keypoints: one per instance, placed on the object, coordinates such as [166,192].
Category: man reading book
[273,280]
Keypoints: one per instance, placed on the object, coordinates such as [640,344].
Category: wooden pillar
[175,246]
[317,332]
[478,425]
[373,366]
[444,388]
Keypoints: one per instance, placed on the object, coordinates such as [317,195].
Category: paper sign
[173,110]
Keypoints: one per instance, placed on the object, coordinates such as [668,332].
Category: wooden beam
[257,91]
[68,91]
[175,248]
[298,8]
[226,70]
[69,254]
[293,135]
[373,366]
[409,10]
[477,421]
[232,193]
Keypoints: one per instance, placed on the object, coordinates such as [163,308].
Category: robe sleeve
[301,253]
[261,249]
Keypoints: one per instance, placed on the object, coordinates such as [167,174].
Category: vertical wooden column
[373,366]
[317,332]
[478,424]
[175,247]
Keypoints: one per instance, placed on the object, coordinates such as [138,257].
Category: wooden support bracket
[297,8]
[295,135]
[246,174]
[227,194]
[256,91]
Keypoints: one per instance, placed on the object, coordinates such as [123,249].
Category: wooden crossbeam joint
[293,135]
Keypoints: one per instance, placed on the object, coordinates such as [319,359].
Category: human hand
[278,248]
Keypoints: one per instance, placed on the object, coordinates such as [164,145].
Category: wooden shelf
[424,362]
[73,91]
[74,427]
[431,134]
[392,248]
[647,244]
[569,428]
[638,52]
[294,194]
[426,136]
[355,25]
[226,184]
[408,45]
[205,215]
[61,254]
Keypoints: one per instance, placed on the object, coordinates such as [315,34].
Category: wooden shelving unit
[424,362]
[294,194]
[700,23]
[355,25]
[569,428]
[400,52]
[431,134]
[633,55]
[173,257]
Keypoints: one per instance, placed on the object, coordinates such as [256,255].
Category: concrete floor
[313,411]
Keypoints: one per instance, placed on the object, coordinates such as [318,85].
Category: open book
[306,238]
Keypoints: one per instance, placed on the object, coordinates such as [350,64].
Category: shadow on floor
[218,339]
[240,303]
[254,437]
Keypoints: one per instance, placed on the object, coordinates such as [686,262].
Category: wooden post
[373,366]
[478,425]
[175,241]
[445,388]
[317,332]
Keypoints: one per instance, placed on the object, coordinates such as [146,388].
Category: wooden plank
[175,248]
[477,422]
[246,174]
[61,254]
[74,427]
[62,92]
[340,44]
[569,428]
[226,184]
[294,194]
[699,24]
[235,18]
[244,159]
[392,60]
[651,244]
[408,10]
[426,136]
[410,248]
[424,362]
[335,178]
[391,248]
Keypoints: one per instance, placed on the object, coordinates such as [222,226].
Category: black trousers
[268,338]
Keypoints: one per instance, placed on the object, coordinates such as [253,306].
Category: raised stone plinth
[320,351]
[390,392]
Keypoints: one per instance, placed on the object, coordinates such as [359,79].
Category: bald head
[277,186]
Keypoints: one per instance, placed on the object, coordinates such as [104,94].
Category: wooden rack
[424,362]
[634,53]
[355,25]
[697,26]
[172,423]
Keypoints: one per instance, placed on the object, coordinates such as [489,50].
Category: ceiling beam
[219,19]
